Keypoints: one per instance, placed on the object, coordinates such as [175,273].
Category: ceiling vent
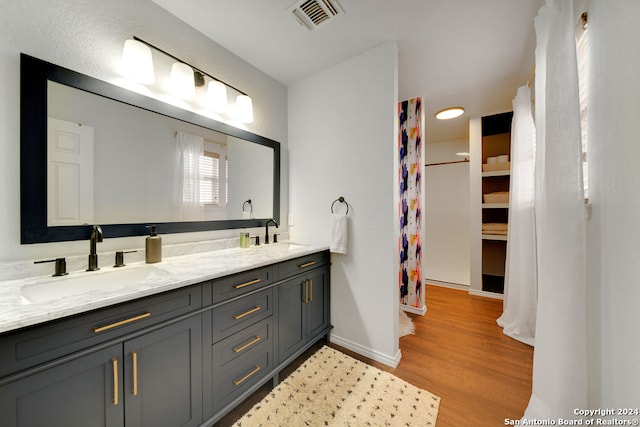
[312,14]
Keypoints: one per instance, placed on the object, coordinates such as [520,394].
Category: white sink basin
[280,248]
[83,282]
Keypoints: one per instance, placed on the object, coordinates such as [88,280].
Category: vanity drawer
[242,283]
[237,315]
[238,378]
[302,264]
[29,347]
[254,339]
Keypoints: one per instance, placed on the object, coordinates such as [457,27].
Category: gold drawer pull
[246,377]
[134,358]
[306,291]
[253,282]
[308,264]
[97,329]
[114,361]
[311,292]
[247,345]
[253,310]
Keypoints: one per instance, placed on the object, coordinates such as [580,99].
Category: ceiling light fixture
[184,78]
[449,113]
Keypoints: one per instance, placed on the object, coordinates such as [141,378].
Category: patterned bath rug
[333,389]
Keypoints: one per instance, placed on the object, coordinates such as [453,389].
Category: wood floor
[459,353]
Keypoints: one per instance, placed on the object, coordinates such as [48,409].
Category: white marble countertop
[18,311]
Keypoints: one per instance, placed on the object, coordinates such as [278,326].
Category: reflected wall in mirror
[94,153]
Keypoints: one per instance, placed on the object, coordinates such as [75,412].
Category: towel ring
[248,202]
[341,200]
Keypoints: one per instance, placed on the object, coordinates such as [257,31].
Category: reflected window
[213,179]
[214,174]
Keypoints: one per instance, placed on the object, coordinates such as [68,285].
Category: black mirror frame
[34,74]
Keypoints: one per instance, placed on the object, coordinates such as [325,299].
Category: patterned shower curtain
[410,207]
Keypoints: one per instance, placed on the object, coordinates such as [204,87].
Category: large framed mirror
[96,153]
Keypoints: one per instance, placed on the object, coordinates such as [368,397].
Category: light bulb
[137,62]
[217,96]
[181,82]
[244,109]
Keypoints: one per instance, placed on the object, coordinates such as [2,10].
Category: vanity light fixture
[217,96]
[181,82]
[198,78]
[137,62]
[244,109]
[449,113]
[185,78]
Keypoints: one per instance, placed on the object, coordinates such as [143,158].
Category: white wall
[342,142]
[87,36]
[446,241]
[614,226]
[475,205]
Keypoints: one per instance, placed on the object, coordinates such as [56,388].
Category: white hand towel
[339,233]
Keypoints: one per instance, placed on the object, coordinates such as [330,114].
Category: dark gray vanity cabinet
[153,380]
[303,304]
[239,337]
[162,373]
[132,364]
[185,357]
[268,317]
[79,392]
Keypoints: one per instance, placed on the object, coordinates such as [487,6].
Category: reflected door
[69,173]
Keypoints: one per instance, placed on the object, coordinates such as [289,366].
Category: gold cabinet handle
[306,291]
[252,282]
[246,377]
[246,313]
[134,359]
[247,345]
[308,264]
[114,362]
[97,329]
[311,290]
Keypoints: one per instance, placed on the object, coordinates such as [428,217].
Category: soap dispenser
[153,246]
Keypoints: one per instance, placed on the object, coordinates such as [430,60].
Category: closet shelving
[496,141]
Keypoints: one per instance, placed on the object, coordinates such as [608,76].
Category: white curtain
[520,291]
[560,356]
[189,150]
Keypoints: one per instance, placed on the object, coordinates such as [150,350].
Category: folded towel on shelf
[339,233]
[495,226]
[496,197]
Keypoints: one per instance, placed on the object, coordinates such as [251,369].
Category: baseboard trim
[486,294]
[366,352]
[418,311]
[446,284]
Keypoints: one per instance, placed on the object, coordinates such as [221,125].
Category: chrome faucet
[266,231]
[95,237]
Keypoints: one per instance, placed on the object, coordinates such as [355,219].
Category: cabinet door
[84,392]
[317,303]
[163,376]
[291,317]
